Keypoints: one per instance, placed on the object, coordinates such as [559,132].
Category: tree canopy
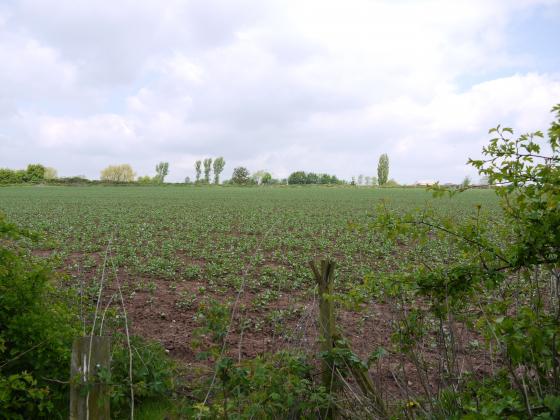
[383,169]
[118,173]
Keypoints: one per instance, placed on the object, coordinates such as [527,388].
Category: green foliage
[240,176]
[153,373]
[301,177]
[37,326]
[9,176]
[276,386]
[33,174]
[383,169]
[197,167]
[266,178]
[218,167]
[261,177]
[162,169]
[21,397]
[207,168]
[213,318]
[145,180]
[298,177]
[500,277]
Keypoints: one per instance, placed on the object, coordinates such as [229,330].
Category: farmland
[177,248]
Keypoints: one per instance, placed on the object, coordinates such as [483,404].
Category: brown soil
[159,313]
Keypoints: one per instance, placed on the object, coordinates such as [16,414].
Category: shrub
[500,278]
[269,386]
[152,373]
[37,326]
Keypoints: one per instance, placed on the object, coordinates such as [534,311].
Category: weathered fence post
[327,327]
[89,399]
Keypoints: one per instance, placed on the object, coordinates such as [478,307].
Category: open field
[177,248]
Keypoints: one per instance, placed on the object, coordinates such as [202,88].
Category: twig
[127,339]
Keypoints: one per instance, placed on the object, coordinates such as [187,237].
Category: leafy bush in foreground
[269,386]
[153,373]
[37,326]
[499,279]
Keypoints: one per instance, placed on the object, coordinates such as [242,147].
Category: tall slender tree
[383,169]
[218,167]
[197,166]
[207,168]
[162,169]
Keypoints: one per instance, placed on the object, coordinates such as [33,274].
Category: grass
[154,410]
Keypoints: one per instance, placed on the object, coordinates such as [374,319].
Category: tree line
[33,173]
[208,171]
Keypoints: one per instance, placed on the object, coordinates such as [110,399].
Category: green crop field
[220,277]
[177,247]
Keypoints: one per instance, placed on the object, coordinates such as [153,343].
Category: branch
[471,241]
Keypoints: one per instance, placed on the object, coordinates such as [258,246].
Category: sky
[279,85]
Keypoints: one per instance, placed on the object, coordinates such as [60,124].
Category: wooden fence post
[89,399]
[327,327]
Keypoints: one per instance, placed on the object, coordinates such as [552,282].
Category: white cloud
[315,85]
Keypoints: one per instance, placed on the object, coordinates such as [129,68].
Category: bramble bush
[37,325]
[267,386]
[500,279]
[153,373]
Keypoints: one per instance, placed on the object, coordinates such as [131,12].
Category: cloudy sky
[282,85]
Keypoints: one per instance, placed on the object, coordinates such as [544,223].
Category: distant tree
[360,179]
[9,176]
[218,167]
[353,181]
[187,180]
[374,181]
[298,177]
[267,179]
[207,168]
[383,169]
[392,183]
[145,179]
[197,167]
[34,173]
[367,180]
[162,169]
[312,178]
[328,179]
[50,173]
[466,181]
[118,173]
[240,176]
[259,176]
